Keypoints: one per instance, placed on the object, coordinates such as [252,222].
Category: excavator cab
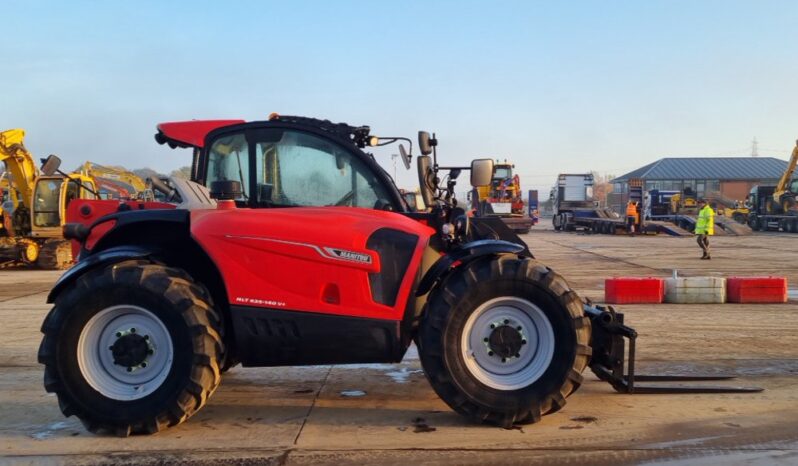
[52,196]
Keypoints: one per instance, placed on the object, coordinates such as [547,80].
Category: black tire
[555,221]
[181,307]
[770,206]
[55,254]
[738,217]
[788,204]
[476,284]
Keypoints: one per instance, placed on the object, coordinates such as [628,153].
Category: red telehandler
[293,247]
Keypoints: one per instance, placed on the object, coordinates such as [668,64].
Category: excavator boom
[115,180]
[784,182]
[19,162]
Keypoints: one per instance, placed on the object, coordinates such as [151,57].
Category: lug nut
[517,355]
[143,365]
[146,337]
[519,328]
[492,325]
[130,369]
[485,339]
[118,334]
[111,348]
[490,353]
[506,321]
[149,351]
[504,359]
[523,342]
[133,330]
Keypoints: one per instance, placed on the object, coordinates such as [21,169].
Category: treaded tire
[442,328]
[55,254]
[184,309]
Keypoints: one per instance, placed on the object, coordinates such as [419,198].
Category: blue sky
[553,86]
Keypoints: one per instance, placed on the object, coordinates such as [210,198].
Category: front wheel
[132,348]
[504,341]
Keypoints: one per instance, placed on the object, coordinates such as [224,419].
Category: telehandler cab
[305,253]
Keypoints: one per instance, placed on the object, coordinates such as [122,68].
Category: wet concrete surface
[388,414]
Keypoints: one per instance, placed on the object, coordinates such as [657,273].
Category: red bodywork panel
[291,258]
[192,133]
[86,212]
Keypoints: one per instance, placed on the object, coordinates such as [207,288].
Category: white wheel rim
[532,358]
[97,362]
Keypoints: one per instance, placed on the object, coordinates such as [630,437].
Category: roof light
[274,116]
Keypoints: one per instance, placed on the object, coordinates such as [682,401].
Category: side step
[609,353]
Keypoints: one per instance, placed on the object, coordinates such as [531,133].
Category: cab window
[293,168]
[228,160]
[46,200]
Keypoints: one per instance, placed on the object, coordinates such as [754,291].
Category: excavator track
[55,254]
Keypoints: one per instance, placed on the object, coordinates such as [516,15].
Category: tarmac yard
[388,414]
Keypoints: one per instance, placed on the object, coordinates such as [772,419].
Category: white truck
[572,197]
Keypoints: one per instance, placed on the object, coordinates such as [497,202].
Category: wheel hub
[131,350]
[508,343]
[505,341]
[125,352]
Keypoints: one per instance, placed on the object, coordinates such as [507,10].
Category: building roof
[712,168]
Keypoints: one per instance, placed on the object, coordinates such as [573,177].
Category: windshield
[502,173]
[45,208]
[293,168]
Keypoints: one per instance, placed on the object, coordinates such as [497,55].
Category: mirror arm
[77,180]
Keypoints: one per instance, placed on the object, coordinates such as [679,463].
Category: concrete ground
[387,414]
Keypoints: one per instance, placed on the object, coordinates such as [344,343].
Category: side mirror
[481,172]
[424,174]
[405,156]
[424,143]
[50,164]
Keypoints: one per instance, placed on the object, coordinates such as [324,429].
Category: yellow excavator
[783,200]
[116,183]
[34,220]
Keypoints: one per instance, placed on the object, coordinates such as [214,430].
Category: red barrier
[633,290]
[756,290]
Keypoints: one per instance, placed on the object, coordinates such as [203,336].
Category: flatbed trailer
[723,225]
[598,221]
[769,222]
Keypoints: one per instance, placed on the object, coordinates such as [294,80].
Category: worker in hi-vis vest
[704,226]
[631,217]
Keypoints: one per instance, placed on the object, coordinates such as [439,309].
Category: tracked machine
[35,215]
[269,272]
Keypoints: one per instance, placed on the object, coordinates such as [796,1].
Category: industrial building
[726,177]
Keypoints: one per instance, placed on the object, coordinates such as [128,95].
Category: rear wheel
[504,341]
[738,217]
[770,206]
[788,204]
[132,348]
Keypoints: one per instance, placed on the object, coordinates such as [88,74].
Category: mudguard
[100,259]
[466,253]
